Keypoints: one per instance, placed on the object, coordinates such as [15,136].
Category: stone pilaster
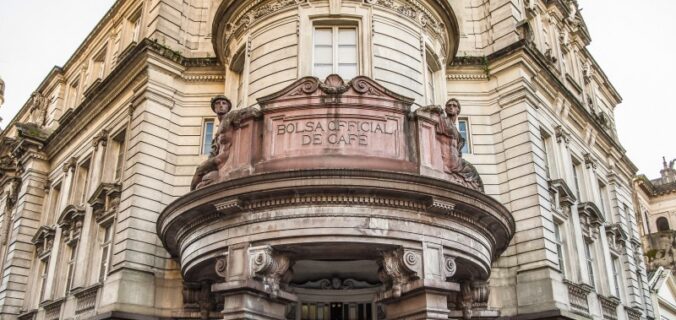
[29,185]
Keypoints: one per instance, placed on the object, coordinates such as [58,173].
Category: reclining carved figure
[452,143]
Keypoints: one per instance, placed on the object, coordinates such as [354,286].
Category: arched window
[662,224]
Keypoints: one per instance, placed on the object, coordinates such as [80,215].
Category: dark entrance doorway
[336,311]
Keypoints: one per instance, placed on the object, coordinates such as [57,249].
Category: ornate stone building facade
[337,180]
[655,201]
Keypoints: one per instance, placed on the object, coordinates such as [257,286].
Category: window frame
[467,148]
[203,140]
[335,27]
[560,241]
[106,248]
[590,261]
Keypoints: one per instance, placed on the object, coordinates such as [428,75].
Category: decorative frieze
[577,295]
[53,310]
[86,302]
[609,307]
[337,284]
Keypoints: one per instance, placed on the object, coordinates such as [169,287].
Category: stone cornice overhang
[229,7]
[54,75]
[465,205]
[537,57]
[58,71]
[132,66]
[650,189]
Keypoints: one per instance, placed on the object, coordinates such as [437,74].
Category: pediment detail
[105,200]
[334,86]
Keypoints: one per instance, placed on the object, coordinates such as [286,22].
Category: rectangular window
[616,275]
[560,247]
[588,252]
[577,167]
[335,51]
[99,65]
[463,127]
[546,139]
[119,150]
[44,269]
[106,237]
[430,86]
[73,93]
[603,196]
[135,26]
[207,135]
[71,266]
[54,204]
[81,183]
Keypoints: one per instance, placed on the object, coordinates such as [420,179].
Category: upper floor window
[431,71]
[335,51]
[463,127]
[79,189]
[106,241]
[577,172]
[207,135]
[662,224]
[135,26]
[603,196]
[73,93]
[118,155]
[70,265]
[237,74]
[44,269]
[616,275]
[588,253]
[558,230]
[99,65]
[546,148]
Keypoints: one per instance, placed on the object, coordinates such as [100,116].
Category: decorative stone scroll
[399,267]
[70,221]
[44,240]
[336,284]
[105,200]
[268,266]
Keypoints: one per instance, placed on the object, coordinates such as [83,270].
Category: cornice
[132,66]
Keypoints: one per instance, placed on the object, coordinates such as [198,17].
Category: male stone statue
[220,145]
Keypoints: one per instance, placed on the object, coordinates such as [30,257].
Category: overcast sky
[634,41]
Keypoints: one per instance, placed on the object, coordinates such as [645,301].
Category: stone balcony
[339,181]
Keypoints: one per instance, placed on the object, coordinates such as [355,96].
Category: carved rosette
[269,267]
[399,267]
